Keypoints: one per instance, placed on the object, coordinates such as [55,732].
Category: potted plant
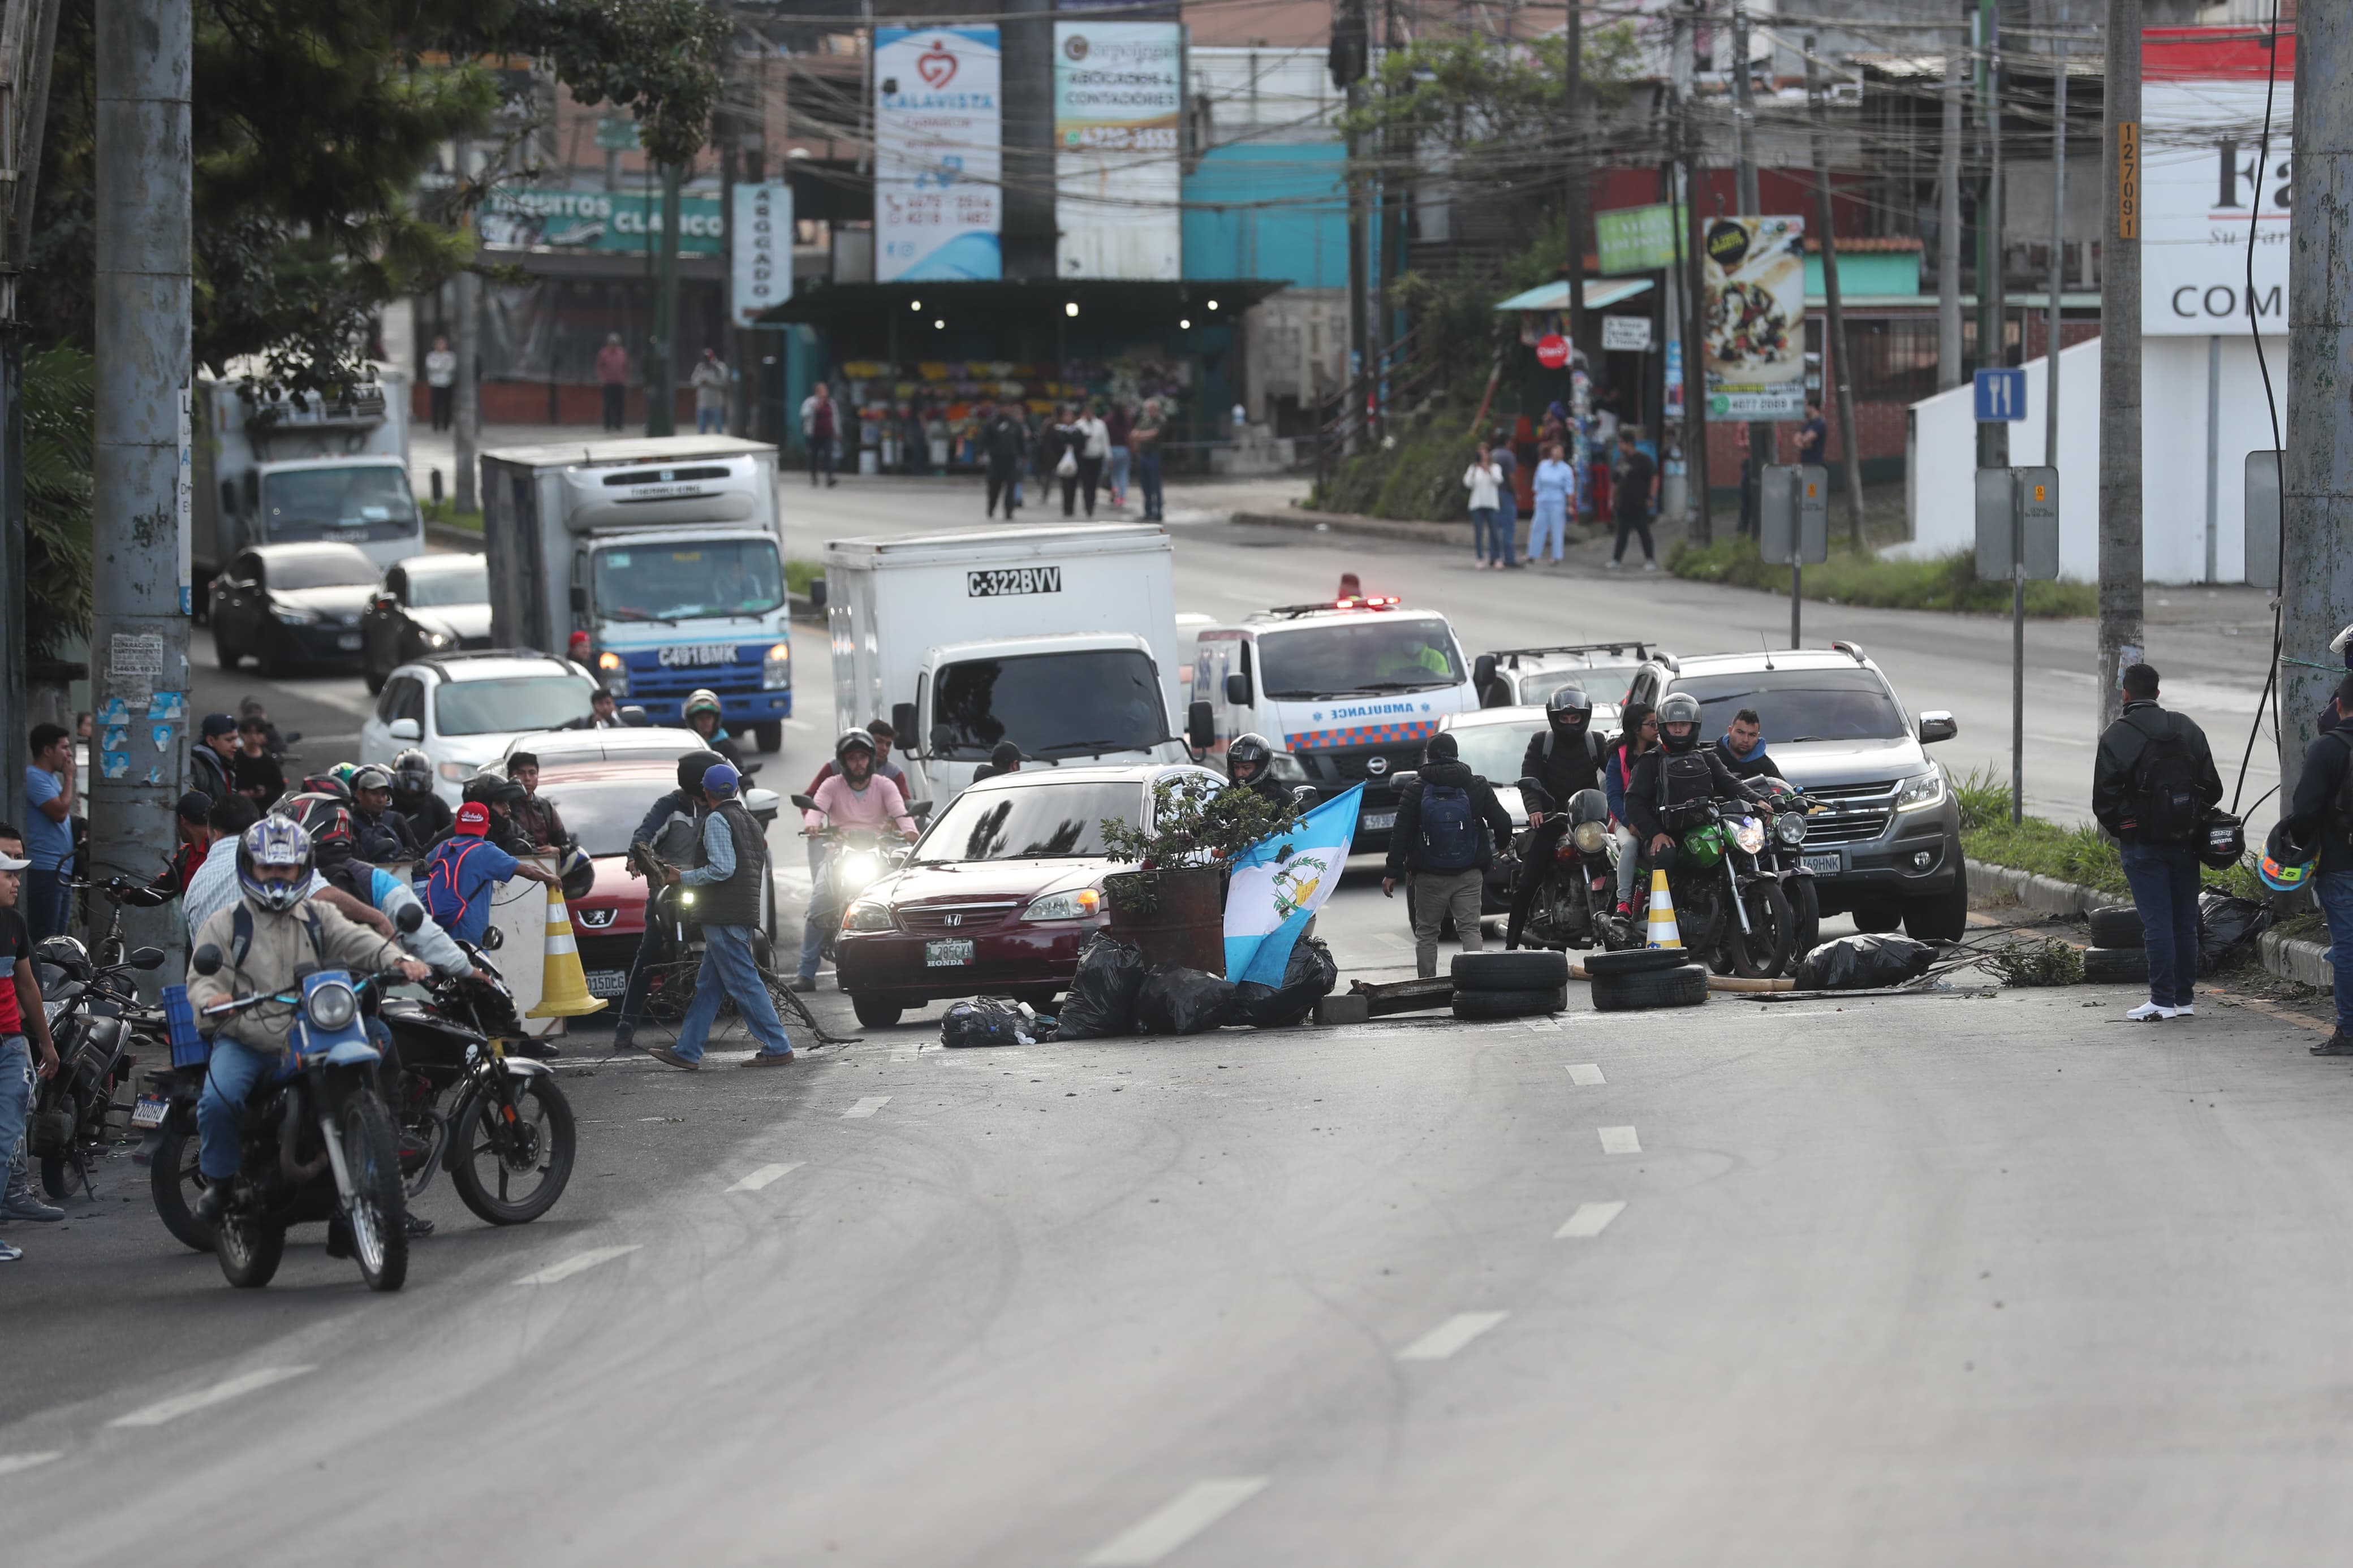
[1172,906]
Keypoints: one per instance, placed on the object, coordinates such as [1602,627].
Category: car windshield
[465,585]
[1029,822]
[321,569]
[338,503]
[1050,704]
[513,702]
[705,579]
[1373,653]
[1799,704]
[602,812]
[1493,751]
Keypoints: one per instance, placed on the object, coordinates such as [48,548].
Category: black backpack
[1449,828]
[2165,805]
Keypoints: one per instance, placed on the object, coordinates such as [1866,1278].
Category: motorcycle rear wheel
[541,1107]
[174,1181]
[57,1174]
[1762,950]
[379,1211]
[249,1249]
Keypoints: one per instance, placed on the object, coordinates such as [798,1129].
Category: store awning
[1600,293]
[1045,298]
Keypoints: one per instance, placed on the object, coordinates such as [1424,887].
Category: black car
[429,605]
[291,606]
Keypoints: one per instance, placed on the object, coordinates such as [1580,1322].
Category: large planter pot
[1186,925]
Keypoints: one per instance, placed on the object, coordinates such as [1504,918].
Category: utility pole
[661,362]
[1348,58]
[1949,369]
[1572,116]
[1763,448]
[2316,570]
[2120,433]
[466,406]
[1993,438]
[28,32]
[2058,244]
[1817,100]
[139,631]
[1687,233]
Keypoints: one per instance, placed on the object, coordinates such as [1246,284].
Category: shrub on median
[1948,582]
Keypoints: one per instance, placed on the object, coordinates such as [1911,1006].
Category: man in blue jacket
[1743,748]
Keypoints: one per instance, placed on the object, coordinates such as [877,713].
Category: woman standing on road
[1640,734]
[1484,480]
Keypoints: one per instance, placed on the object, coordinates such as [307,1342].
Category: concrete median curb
[1350,522]
[2288,957]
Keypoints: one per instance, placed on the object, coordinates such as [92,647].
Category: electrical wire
[2271,401]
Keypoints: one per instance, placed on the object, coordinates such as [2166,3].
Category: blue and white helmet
[274,841]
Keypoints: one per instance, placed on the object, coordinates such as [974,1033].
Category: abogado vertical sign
[1753,270]
[1117,95]
[761,233]
[937,156]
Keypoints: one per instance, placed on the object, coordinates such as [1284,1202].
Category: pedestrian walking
[1117,423]
[709,379]
[49,791]
[1005,445]
[1507,502]
[1632,479]
[1482,479]
[731,868]
[1750,483]
[613,379]
[669,831]
[1093,451]
[1448,824]
[1144,440]
[1556,492]
[2153,782]
[440,381]
[821,426]
[2322,815]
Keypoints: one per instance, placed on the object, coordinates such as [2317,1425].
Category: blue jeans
[15,1104]
[708,421]
[813,923]
[1147,479]
[1483,526]
[2164,882]
[728,970]
[49,904]
[2335,892]
[1119,459]
[1505,542]
[230,1077]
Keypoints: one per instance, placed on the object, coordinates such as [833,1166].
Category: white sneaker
[1649,566]
[1613,566]
[2184,1011]
[2148,1012]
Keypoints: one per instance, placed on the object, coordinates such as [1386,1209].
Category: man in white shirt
[215,886]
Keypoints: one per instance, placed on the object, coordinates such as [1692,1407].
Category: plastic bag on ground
[1864,964]
[2227,929]
[1307,979]
[1175,1000]
[993,1021]
[1102,998]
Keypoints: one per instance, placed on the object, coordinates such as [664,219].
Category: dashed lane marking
[236,1387]
[1620,1140]
[866,1107]
[1194,1509]
[578,1263]
[1584,1075]
[1589,1220]
[1451,1336]
[763,1175]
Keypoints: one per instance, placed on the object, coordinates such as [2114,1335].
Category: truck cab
[1348,690]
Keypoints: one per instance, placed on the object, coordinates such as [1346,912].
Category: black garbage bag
[1864,964]
[1307,979]
[1102,998]
[2227,929]
[1175,1000]
[993,1021]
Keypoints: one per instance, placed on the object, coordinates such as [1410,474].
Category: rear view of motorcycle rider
[1566,759]
[1670,783]
[430,816]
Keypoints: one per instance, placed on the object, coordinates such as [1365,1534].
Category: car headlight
[1076,905]
[332,1006]
[868,914]
[776,668]
[614,672]
[456,773]
[1283,765]
[1590,837]
[1920,794]
[294,617]
[436,639]
[1789,827]
[1749,834]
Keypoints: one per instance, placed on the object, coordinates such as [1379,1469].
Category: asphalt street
[1956,1279]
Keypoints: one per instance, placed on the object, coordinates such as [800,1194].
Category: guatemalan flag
[1278,884]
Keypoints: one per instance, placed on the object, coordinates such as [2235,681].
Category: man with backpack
[1448,824]
[464,868]
[2152,785]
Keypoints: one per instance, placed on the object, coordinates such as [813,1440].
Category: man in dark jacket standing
[730,872]
[2322,815]
[1006,444]
[2152,784]
[1448,823]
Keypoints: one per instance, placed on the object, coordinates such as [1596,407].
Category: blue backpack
[1450,829]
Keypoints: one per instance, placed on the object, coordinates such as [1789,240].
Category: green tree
[60,385]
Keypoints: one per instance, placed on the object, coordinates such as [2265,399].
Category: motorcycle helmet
[2223,842]
[412,771]
[1703,846]
[1250,751]
[343,772]
[274,841]
[332,840]
[703,700]
[851,740]
[65,954]
[1568,710]
[327,784]
[370,776]
[2287,863]
[489,787]
[577,871]
[1678,707]
[692,767]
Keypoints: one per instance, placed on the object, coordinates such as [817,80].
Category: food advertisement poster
[1753,270]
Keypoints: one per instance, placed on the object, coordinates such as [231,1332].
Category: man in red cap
[461,870]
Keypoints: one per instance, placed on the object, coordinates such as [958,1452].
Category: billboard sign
[2205,183]
[1752,344]
[1118,93]
[529,217]
[1636,240]
[938,163]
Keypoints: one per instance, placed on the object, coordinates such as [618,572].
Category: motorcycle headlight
[1075,905]
[1921,793]
[686,896]
[332,1006]
[1590,837]
[856,870]
[436,639]
[1283,765]
[1789,827]
[1749,834]
[868,914]
[776,668]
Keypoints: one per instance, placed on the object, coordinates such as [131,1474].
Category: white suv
[464,709]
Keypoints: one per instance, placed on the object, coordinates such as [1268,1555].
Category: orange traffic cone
[1664,933]
[563,988]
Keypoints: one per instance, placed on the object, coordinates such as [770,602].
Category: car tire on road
[1473,1006]
[875,1013]
[1540,970]
[1877,920]
[1942,917]
[2115,966]
[1683,987]
[1635,960]
[2117,926]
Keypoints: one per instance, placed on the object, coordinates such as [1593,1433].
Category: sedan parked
[292,606]
[428,603]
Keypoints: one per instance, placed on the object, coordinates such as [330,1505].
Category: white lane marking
[1451,1336]
[1584,1075]
[1723,999]
[763,1175]
[11,1463]
[579,1262]
[1589,1220]
[1196,1509]
[1620,1140]
[866,1107]
[172,1409]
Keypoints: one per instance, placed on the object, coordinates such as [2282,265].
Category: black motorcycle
[93,1011]
[1785,853]
[1730,909]
[1573,898]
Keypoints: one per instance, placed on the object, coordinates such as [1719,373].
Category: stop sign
[1552,350]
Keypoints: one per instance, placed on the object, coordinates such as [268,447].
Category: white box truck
[1059,639]
[657,563]
[279,470]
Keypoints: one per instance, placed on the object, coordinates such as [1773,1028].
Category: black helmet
[1569,710]
[489,787]
[850,740]
[1678,707]
[413,771]
[1249,749]
[692,767]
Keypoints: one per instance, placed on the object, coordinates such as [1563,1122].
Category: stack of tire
[2117,956]
[1525,983]
[1640,978]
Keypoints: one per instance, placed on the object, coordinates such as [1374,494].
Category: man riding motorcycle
[379,832]
[428,814]
[700,712]
[855,798]
[1249,763]
[1672,784]
[1566,759]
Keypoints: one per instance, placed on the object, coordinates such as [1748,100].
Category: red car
[999,893]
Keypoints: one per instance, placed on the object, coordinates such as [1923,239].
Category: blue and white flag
[1279,883]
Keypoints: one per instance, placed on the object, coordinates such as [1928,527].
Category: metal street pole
[466,335]
[2120,392]
[1951,371]
[1993,438]
[2316,570]
[139,633]
[1836,360]
[2058,244]
[1701,512]
[2017,649]
[1572,115]
[661,364]
[1763,444]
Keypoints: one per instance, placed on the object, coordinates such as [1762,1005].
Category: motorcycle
[94,1015]
[1730,908]
[317,1141]
[1785,853]
[1573,900]
[859,857]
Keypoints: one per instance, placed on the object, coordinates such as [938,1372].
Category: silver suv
[1887,846]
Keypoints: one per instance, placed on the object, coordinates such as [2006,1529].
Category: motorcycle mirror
[805,803]
[146,958]
[409,919]
[1304,796]
[1533,795]
[206,960]
[494,939]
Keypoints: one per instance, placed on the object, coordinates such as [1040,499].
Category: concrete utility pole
[1993,438]
[661,362]
[2120,434]
[1836,359]
[1686,152]
[2058,242]
[139,633]
[2315,569]
[1763,448]
[1572,116]
[1951,371]
[466,343]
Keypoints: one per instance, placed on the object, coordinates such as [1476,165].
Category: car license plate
[1824,864]
[151,1111]
[607,982]
[949,954]
[1377,821]
[348,640]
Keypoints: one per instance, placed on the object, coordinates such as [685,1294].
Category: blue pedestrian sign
[2001,395]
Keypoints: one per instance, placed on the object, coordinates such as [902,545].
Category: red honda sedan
[999,893]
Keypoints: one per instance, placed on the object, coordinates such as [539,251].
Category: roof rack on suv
[1640,650]
[1852,650]
[463,656]
[1353,602]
